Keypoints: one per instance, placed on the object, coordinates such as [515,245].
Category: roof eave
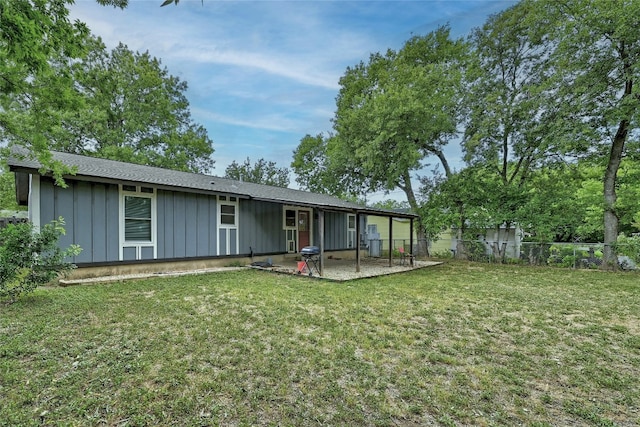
[92,178]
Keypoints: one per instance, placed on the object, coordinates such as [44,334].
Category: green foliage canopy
[399,108]
[593,72]
[32,32]
[7,190]
[508,109]
[134,111]
[261,172]
[550,83]
[60,89]
[322,172]
[392,113]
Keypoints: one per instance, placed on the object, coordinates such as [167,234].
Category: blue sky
[263,74]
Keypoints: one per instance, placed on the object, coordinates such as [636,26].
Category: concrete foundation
[119,269]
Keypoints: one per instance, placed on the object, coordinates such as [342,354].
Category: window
[137,222]
[228,223]
[227,214]
[351,231]
[137,219]
[289,218]
[352,222]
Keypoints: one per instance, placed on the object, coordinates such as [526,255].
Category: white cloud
[286,67]
[293,40]
[272,122]
[262,74]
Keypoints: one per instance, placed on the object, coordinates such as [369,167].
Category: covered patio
[344,269]
[407,258]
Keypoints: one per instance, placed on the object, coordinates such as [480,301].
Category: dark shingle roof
[103,170]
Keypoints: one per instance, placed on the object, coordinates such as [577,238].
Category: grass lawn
[457,344]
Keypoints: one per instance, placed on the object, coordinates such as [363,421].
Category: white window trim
[228,227]
[138,245]
[291,245]
[285,228]
[284,218]
[352,231]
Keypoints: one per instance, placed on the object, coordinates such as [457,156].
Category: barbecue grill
[310,257]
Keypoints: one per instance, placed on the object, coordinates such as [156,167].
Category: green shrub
[442,254]
[629,246]
[475,250]
[574,256]
[30,258]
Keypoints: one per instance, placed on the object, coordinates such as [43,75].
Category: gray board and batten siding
[90,211]
[335,231]
[186,223]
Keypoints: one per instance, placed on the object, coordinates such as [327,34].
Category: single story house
[134,218]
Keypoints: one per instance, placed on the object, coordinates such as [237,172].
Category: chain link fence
[578,255]
[379,248]
[554,254]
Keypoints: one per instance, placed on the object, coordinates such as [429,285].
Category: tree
[588,198]
[505,135]
[262,172]
[594,72]
[325,172]
[8,190]
[391,205]
[472,201]
[392,113]
[126,107]
[133,110]
[310,164]
[31,33]
[550,211]
[400,108]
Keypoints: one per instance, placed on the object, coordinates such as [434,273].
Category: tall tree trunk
[460,249]
[610,259]
[422,244]
[610,197]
